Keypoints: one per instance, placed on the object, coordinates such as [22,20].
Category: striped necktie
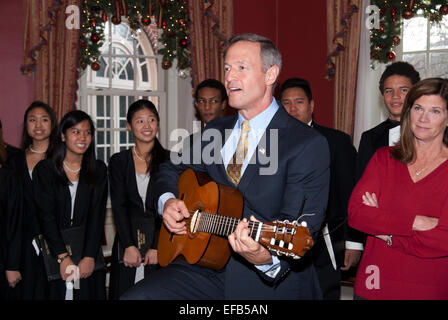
[235,164]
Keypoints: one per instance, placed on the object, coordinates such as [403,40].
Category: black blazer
[18,164]
[54,205]
[342,182]
[126,201]
[371,141]
[301,158]
[10,221]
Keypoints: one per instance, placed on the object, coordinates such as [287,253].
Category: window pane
[438,66]
[414,34]
[122,110]
[123,75]
[130,70]
[100,153]
[123,137]
[100,106]
[104,68]
[418,60]
[439,34]
[100,137]
[147,78]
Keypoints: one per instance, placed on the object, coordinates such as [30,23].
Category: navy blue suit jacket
[302,157]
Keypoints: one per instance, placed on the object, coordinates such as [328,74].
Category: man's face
[209,104]
[245,81]
[297,104]
[395,90]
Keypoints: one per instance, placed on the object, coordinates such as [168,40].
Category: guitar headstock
[292,239]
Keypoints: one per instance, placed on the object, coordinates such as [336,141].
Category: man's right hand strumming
[174,213]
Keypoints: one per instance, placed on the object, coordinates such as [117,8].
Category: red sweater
[416,265]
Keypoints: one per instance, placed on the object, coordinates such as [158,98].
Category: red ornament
[183,43]
[95,37]
[146,21]
[407,13]
[381,27]
[182,22]
[396,40]
[166,64]
[95,66]
[444,9]
[84,44]
[93,22]
[391,56]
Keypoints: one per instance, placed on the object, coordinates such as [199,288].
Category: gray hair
[270,55]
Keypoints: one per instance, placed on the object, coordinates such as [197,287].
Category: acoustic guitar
[215,211]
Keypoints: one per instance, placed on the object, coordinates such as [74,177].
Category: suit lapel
[131,181]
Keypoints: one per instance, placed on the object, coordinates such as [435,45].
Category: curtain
[51,53]
[211,25]
[343,36]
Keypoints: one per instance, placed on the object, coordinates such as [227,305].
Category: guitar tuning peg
[303,224]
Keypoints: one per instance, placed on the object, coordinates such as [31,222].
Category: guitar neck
[223,226]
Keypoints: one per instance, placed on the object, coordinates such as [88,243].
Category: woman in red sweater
[401,202]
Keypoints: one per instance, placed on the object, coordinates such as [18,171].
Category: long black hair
[59,151]
[157,153]
[26,138]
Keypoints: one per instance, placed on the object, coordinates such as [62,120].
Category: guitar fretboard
[222,225]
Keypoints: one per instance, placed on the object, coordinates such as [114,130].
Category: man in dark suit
[286,164]
[394,85]
[337,246]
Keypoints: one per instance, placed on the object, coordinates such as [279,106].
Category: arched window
[129,70]
[425,46]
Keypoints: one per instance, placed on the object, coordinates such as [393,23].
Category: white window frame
[87,92]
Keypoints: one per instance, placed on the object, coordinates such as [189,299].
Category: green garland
[384,39]
[171,16]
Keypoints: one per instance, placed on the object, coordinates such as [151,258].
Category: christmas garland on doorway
[387,36]
[170,15]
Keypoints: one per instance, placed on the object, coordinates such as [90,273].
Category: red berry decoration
[146,21]
[183,43]
[95,37]
[396,40]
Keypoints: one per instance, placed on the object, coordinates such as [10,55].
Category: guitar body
[199,192]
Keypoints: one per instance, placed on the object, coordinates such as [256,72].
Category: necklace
[36,151]
[138,157]
[68,168]
[417,173]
